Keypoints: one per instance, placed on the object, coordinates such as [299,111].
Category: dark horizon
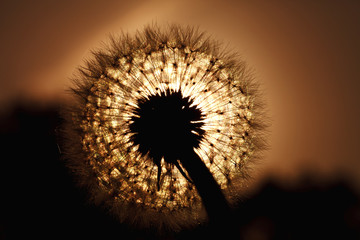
[41,199]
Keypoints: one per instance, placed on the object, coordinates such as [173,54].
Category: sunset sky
[304,54]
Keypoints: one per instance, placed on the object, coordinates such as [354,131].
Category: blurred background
[305,55]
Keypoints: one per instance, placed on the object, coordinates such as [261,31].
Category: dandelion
[158,122]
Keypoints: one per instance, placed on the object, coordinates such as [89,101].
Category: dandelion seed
[143,106]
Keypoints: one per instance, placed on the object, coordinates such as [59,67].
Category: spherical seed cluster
[108,92]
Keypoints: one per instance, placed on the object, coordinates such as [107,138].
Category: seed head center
[166,123]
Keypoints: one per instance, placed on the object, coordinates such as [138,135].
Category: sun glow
[201,77]
[108,99]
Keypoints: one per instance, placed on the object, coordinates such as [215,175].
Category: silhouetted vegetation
[40,200]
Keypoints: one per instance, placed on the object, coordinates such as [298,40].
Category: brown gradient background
[305,54]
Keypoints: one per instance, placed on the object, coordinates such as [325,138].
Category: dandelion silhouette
[161,125]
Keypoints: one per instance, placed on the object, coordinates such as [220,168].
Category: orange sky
[306,56]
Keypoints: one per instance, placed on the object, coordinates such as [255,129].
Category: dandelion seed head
[115,95]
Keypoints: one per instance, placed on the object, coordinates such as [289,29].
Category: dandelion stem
[212,197]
